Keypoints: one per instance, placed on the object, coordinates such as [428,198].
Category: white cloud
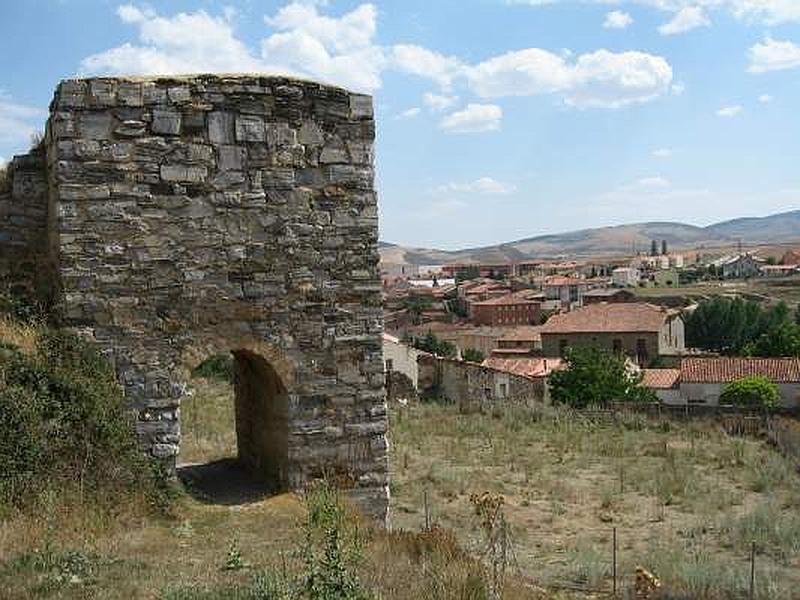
[426,63]
[730,111]
[617,19]
[473,119]
[677,88]
[482,185]
[410,113]
[650,183]
[338,50]
[599,79]
[438,102]
[773,55]
[187,42]
[766,12]
[765,98]
[662,152]
[686,19]
[769,12]
[18,122]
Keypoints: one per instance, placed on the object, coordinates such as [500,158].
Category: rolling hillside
[609,241]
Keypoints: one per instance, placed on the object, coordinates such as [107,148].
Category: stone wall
[193,216]
[24,255]
[475,387]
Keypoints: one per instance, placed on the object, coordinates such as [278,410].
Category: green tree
[752,392]
[472,355]
[416,305]
[735,326]
[780,340]
[467,273]
[595,377]
[431,343]
[797,315]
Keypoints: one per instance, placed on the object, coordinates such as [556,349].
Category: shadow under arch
[261,407]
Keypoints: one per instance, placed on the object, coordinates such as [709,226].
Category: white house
[625,277]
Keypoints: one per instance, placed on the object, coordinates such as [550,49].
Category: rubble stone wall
[199,215]
[475,387]
[24,253]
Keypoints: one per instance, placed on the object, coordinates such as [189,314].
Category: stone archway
[262,419]
[208,209]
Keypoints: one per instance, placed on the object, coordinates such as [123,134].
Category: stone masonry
[192,216]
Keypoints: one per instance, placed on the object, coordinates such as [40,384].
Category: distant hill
[610,241]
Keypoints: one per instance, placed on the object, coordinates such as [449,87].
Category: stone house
[520,341]
[641,331]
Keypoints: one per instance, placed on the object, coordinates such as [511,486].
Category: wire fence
[614,568]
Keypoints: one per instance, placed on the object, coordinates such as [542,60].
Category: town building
[703,379]
[780,270]
[641,331]
[610,295]
[792,257]
[520,341]
[625,277]
[519,308]
[665,383]
[741,266]
[562,292]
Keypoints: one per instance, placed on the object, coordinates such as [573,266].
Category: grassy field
[764,289]
[687,500]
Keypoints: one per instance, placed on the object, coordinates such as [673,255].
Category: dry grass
[208,430]
[20,335]
[671,492]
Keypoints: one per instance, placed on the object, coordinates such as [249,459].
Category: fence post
[614,561]
[427,509]
[752,570]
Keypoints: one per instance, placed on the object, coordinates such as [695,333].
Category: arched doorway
[262,419]
[235,429]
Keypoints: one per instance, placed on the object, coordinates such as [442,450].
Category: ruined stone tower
[175,218]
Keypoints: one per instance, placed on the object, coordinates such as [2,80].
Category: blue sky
[497,119]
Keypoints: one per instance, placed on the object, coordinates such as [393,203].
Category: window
[617,346]
[503,390]
[562,347]
[641,351]
[389,365]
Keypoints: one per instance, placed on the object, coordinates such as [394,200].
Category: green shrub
[595,377]
[472,355]
[218,367]
[752,392]
[65,426]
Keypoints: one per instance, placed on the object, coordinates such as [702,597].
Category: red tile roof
[609,318]
[725,370]
[526,367]
[506,300]
[661,379]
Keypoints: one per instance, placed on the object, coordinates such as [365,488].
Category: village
[494,332]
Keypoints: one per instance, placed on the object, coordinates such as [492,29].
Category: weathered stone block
[166,121]
[220,128]
[250,129]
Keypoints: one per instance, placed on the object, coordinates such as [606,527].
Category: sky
[497,119]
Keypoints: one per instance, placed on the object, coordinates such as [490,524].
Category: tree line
[734,326]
